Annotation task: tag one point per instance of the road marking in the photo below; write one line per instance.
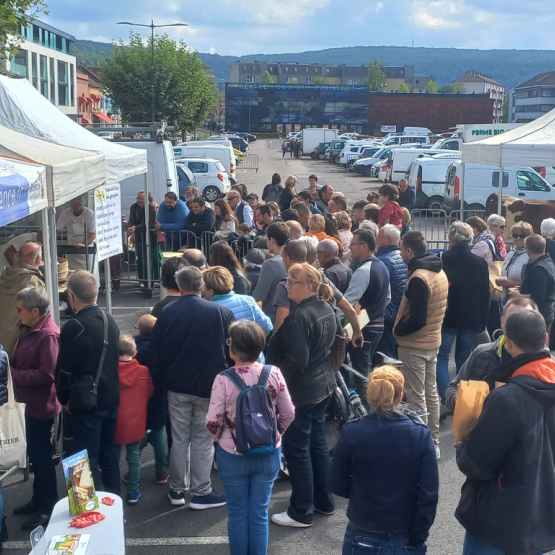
(142, 542)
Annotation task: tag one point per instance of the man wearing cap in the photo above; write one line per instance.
(243, 212)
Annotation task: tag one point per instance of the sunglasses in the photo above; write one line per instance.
(502, 226)
(520, 235)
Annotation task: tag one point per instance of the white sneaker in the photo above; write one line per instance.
(438, 453)
(283, 519)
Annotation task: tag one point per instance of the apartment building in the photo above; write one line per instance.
(480, 83)
(45, 59)
(533, 98)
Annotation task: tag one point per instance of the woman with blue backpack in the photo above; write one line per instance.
(250, 409)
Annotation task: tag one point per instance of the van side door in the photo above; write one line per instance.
(531, 185)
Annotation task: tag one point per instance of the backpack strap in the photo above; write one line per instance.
(234, 377)
(265, 374)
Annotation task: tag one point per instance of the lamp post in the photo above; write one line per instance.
(152, 27)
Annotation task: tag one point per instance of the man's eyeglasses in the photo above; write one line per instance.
(520, 235)
(291, 282)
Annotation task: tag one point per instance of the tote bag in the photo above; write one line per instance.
(13, 443)
(471, 395)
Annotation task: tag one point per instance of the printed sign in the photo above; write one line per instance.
(107, 203)
(388, 128)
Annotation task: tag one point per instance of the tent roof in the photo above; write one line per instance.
(71, 171)
(24, 109)
(532, 144)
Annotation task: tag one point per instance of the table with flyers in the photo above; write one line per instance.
(107, 537)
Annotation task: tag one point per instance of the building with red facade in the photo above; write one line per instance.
(436, 111)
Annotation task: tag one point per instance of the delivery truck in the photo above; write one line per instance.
(313, 136)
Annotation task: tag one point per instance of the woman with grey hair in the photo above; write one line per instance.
(496, 224)
(32, 368)
(547, 229)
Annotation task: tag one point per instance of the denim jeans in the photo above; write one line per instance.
(387, 344)
(463, 348)
(156, 438)
(361, 359)
(95, 430)
(357, 542)
(133, 458)
(474, 546)
(248, 485)
(39, 449)
(308, 458)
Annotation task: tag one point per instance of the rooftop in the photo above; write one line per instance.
(541, 79)
(477, 77)
(52, 29)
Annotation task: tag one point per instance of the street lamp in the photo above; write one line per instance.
(152, 27)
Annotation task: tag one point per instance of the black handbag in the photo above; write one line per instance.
(84, 389)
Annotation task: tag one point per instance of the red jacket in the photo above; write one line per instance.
(32, 368)
(136, 389)
(392, 211)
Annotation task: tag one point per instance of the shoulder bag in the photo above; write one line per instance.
(84, 389)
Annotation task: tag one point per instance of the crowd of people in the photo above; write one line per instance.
(267, 317)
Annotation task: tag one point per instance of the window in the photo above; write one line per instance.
(271, 68)
(353, 81)
(307, 70)
(417, 81)
(245, 68)
(44, 76)
(52, 82)
(451, 145)
(315, 70)
(35, 70)
(548, 92)
(296, 69)
(286, 69)
(528, 108)
(495, 179)
(249, 78)
(19, 64)
(72, 84)
(198, 167)
(528, 181)
(63, 92)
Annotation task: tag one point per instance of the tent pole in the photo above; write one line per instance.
(47, 257)
(147, 222)
(461, 193)
(500, 199)
(108, 285)
(55, 299)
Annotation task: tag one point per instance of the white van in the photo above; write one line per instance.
(427, 178)
(351, 153)
(400, 159)
(212, 179)
(482, 180)
(162, 173)
(404, 139)
(209, 149)
(416, 131)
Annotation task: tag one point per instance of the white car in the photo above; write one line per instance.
(292, 135)
(212, 179)
(350, 154)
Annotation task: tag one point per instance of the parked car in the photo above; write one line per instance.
(212, 179)
(365, 166)
(482, 180)
(292, 135)
(427, 178)
(400, 159)
(405, 139)
(350, 154)
(320, 151)
(249, 137)
(186, 178)
(368, 152)
(237, 142)
(222, 151)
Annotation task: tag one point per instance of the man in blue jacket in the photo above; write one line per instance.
(187, 351)
(171, 220)
(389, 253)
(201, 218)
(407, 196)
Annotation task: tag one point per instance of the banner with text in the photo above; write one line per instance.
(388, 128)
(107, 204)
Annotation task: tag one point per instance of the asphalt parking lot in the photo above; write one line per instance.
(155, 527)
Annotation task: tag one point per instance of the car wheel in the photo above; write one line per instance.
(321, 156)
(211, 194)
(368, 171)
(435, 203)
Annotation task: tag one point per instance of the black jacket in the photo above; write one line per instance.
(157, 408)
(197, 223)
(81, 340)
(284, 200)
(550, 248)
(468, 298)
(271, 192)
(480, 365)
(407, 199)
(240, 282)
(187, 346)
(301, 348)
(397, 490)
(137, 219)
(339, 274)
(508, 500)
(538, 280)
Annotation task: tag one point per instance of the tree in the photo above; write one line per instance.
(293, 81)
(183, 91)
(403, 89)
(431, 87)
(267, 78)
(319, 81)
(376, 77)
(15, 14)
(458, 88)
(445, 89)
(505, 116)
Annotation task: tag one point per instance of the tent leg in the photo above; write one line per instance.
(51, 261)
(148, 245)
(46, 254)
(108, 285)
(461, 194)
(500, 195)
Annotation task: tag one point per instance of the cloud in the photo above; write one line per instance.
(212, 50)
(270, 12)
(436, 14)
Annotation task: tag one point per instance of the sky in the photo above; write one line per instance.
(237, 27)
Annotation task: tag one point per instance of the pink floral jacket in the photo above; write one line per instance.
(223, 400)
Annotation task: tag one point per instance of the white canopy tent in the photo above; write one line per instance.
(532, 144)
(24, 109)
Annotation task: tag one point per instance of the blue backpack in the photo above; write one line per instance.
(256, 419)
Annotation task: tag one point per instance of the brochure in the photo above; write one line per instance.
(76, 544)
(79, 482)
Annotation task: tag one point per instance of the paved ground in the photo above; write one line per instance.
(156, 528)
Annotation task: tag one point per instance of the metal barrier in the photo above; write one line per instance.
(207, 239)
(249, 162)
(351, 159)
